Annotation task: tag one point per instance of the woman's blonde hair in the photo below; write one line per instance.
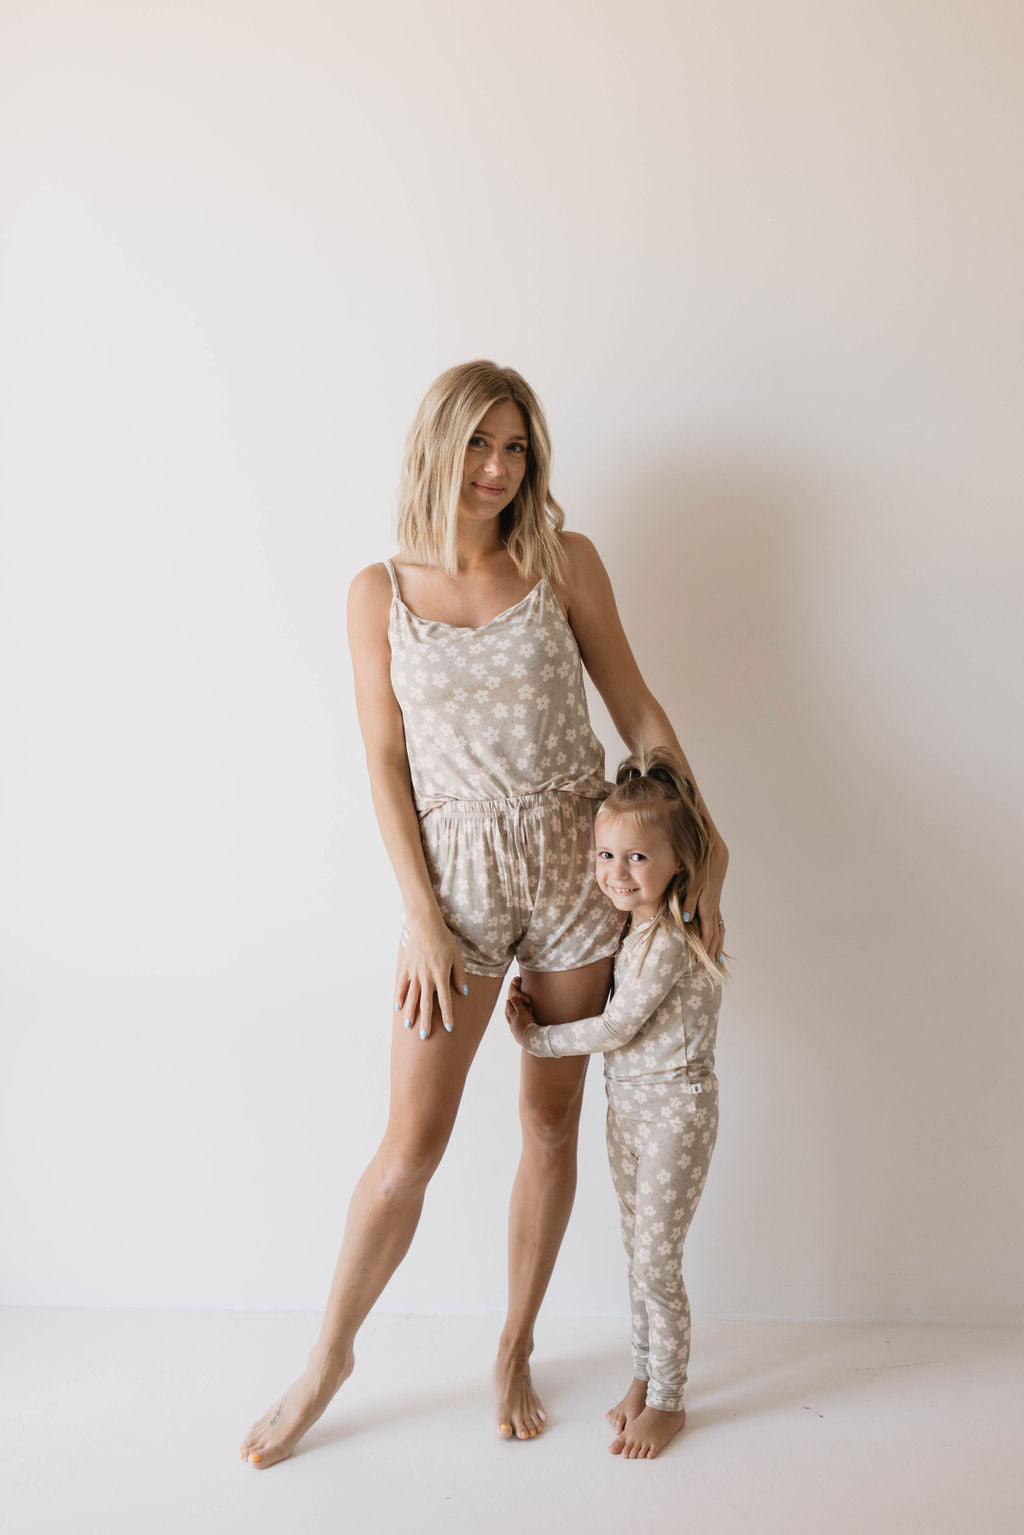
(652, 788)
(435, 455)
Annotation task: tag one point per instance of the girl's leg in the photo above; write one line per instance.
(427, 1079)
(623, 1163)
(551, 1094)
(674, 1166)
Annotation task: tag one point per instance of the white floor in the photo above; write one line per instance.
(128, 1422)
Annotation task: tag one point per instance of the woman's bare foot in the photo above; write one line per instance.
(520, 1414)
(631, 1406)
(648, 1433)
(274, 1436)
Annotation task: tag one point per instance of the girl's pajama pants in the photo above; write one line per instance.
(659, 1154)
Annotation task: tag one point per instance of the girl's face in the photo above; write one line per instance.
(495, 462)
(634, 866)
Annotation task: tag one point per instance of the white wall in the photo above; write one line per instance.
(762, 262)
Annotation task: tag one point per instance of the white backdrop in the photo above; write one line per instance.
(762, 263)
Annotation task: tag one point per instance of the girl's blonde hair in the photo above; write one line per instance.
(652, 788)
(432, 471)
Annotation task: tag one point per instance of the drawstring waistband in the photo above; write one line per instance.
(505, 806)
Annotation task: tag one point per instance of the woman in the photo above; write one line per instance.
(485, 776)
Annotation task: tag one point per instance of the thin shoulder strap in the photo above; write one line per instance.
(394, 579)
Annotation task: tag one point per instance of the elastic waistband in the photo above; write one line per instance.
(637, 1097)
(624, 1084)
(505, 805)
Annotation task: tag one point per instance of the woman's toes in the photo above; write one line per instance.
(505, 1430)
(252, 1441)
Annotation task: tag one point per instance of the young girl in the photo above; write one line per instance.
(658, 1035)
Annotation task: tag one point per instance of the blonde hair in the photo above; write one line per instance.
(652, 788)
(432, 471)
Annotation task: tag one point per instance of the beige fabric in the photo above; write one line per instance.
(658, 1168)
(507, 776)
(514, 878)
(497, 711)
(658, 1033)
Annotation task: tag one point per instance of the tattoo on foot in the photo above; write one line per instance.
(280, 1408)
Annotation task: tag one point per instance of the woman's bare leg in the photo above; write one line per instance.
(427, 1079)
(551, 1095)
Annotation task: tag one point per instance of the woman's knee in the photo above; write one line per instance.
(550, 1124)
(404, 1168)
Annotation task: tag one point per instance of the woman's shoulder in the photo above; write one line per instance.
(370, 593)
(582, 570)
(374, 578)
(577, 549)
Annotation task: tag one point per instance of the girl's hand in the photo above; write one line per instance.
(430, 966)
(518, 1010)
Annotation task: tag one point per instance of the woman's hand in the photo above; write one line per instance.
(430, 966)
(708, 914)
(518, 1010)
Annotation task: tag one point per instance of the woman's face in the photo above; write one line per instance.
(495, 462)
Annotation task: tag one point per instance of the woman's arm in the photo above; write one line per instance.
(636, 713)
(431, 957)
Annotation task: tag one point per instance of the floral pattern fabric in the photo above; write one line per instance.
(515, 879)
(507, 775)
(658, 1033)
(658, 1171)
(497, 711)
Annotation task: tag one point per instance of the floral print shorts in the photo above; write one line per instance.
(514, 879)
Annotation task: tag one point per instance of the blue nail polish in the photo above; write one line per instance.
(686, 916)
(408, 1023)
(423, 1033)
(720, 958)
(398, 1007)
(465, 990)
(448, 1026)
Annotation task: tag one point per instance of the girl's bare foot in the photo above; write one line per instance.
(520, 1414)
(648, 1433)
(631, 1406)
(274, 1436)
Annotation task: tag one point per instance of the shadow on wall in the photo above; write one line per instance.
(856, 957)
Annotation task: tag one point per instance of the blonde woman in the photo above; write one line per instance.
(486, 776)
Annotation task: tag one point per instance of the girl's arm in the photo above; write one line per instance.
(636, 713)
(634, 1002)
(430, 960)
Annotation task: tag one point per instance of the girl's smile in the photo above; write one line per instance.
(633, 865)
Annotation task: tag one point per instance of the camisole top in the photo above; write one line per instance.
(495, 712)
